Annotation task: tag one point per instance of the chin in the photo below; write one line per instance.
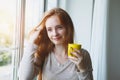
(57, 43)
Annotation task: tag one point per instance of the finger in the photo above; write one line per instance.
(72, 58)
(37, 28)
(37, 31)
(78, 52)
(75, 54)
(75, 60)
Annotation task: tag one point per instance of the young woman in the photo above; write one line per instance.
(46, 54)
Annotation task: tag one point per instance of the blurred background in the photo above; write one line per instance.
(97, 28)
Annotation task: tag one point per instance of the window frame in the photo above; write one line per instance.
(19, 38)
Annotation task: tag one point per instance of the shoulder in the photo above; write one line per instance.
(48, 57)
(85, 53)
(87, 58)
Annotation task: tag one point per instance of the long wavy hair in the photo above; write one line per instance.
(45, 46)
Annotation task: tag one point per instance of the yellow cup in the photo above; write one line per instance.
(71, 48)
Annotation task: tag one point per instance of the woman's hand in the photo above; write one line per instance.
(81, 59)
(34, 34)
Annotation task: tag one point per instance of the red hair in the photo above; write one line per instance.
(45, 46)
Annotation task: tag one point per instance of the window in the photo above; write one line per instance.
(30, 12)
(51, 4)
(13, 26)
(7, 25)
(33, 12)
(17, 18)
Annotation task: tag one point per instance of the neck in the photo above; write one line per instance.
(59, 50)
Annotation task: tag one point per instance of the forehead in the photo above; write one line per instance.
(52, 21)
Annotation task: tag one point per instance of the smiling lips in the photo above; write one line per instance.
(56, 38)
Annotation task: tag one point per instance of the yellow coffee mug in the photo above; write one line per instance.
(71, 48)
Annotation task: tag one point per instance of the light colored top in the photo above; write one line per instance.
(52, 69)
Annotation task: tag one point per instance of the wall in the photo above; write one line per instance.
(113, 45)
(81, 13)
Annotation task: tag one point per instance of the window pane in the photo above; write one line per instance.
(52, 4)
(7, 24)
(34, 11)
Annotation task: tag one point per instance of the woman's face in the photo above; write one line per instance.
(56, 32)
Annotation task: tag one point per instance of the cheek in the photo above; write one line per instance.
(48, 34)
(63, 33)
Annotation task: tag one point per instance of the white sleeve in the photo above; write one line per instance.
(26, 70)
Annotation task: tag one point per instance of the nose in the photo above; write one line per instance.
(55, 32)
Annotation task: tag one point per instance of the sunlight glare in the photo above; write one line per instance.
(7, 16)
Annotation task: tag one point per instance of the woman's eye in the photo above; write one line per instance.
(49, 29)
(60, 26)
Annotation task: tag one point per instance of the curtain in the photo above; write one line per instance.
(98, 39)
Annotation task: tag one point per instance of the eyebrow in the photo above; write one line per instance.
(55, 26)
